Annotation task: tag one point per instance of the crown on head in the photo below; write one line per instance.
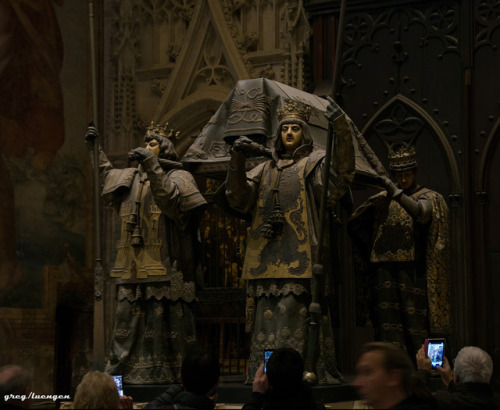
(402, 158)
(157, 129)
(294, 109)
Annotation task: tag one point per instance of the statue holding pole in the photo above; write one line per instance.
(157, 256)
(98, 334)
(283, 195)
(401, 239)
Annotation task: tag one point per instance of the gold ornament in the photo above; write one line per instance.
(310, 377)
(157, 129)
(294, 109)
(402, 157)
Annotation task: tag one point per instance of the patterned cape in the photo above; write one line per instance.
(437, 258)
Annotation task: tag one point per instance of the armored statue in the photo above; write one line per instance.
(160, 208)
(402, 237)
(283, 195)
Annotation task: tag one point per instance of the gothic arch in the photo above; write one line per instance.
(490, 146)
(436, 131)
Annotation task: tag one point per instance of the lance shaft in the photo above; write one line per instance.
(98, 337)
(318, 271)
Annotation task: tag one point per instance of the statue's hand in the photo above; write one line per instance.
(250, 148)
(242, 144)
(91, 134)
(139, 154)
(391, 187)
(333, 110)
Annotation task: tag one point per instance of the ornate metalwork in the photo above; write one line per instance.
(399, 125)
(487, 22)
(438, 22)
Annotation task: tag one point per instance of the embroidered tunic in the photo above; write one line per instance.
(406, 280)
(160, 208)
(275, 257)
(279, 268)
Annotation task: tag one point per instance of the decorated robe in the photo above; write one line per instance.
(402, 266)
(278, 270)
(155, 267)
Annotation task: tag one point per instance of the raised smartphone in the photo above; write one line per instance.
(119, 383)
(267, 355)
(435, 351)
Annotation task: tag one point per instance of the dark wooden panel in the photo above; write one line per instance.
(433, 65)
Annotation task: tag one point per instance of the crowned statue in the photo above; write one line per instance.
(283, 197)
(402, 237)
(160, 208)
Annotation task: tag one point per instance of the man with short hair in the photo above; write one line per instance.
(385, 379)
(200, 374)
(282, 386)
(468, 385)
(15, 386)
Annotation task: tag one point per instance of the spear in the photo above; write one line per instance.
(98, 340)
(318, 272)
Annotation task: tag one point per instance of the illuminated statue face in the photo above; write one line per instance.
(291, 137)
(154, 146)
(405, 179)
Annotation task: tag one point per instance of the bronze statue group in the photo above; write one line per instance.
(400, 241)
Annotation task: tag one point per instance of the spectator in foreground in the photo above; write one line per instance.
(468, 386)
(98, 390)
(282, 386)
(200, 372)
(15, 386)
(385, 379)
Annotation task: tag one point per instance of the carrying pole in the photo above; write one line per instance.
(318, 270)
(98, 338)
(338, 49)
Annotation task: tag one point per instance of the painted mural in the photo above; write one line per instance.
(41, 212)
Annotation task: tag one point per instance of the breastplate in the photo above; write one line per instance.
(288, 253)
(394, 235)
(140, 245)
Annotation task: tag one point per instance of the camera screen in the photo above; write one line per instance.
(119, 384)
(435, 352)
(267, 355)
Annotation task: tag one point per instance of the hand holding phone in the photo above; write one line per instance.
(119, 384)
(435, 351)
(267, 355)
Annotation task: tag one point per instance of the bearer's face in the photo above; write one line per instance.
(154, 146)
(291, 136)
(405, 179)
